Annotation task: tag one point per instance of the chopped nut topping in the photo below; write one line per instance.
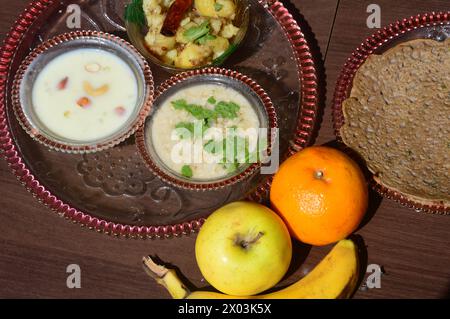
(90, 90)
(92, 67)
(63, 83)
(84, 101)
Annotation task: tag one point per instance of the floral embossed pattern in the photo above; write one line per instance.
(116, 172)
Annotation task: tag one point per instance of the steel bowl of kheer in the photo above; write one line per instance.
(208, 129)
(82, 92)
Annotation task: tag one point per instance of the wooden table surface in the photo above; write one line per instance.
(36, 246)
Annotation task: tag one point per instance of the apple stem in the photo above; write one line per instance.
(245, 243)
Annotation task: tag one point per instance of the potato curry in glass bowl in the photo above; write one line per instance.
(187, 34)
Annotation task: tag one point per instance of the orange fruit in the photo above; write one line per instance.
(321, 193)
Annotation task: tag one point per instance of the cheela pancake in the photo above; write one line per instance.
(398, 119)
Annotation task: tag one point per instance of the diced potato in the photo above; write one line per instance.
(159, 44)
(166, 42)
(223, 9)
(216, 25)
(229, 31)
(179, 35)
(219, 45)
(167, 3)
(155, 21)
(157, 10)
(150, 5)
(206, 8)
(172, 54)
(192, 55)
(185, 21)
(170, 57)
(150, 38)
(228, 9)
(190, 25)
(199, 20)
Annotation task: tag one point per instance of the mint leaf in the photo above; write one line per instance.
(134, 12)
(212, 100)
(227, 110)
(195, 33)
(218, 6)
(186, 171)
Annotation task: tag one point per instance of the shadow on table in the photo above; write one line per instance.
(319, 64)
(363, 259)
(447, 293)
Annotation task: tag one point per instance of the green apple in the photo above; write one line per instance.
(243, 248)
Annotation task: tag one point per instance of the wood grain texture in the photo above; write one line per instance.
(412, 247)
(36, 245)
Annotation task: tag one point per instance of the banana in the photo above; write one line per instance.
(335, 276)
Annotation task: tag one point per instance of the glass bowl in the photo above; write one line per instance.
(258, 99)
(136, 34)
(35, 62)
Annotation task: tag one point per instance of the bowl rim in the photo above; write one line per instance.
(82, 147)
(344, 84)
(266, 102)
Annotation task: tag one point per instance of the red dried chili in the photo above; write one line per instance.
(174, 16)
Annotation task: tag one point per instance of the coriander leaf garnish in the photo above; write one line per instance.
(206, 125)
(134, 13)
(186, 171)
(210, 147)
(223, 109)
(218, 6)
(212, 100)
(198, 111)
(182, 127)
(179, 104)
(227, 110)
(205, 38)
(219, 60)
(197, 32)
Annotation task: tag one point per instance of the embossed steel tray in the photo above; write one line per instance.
(112, 191)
